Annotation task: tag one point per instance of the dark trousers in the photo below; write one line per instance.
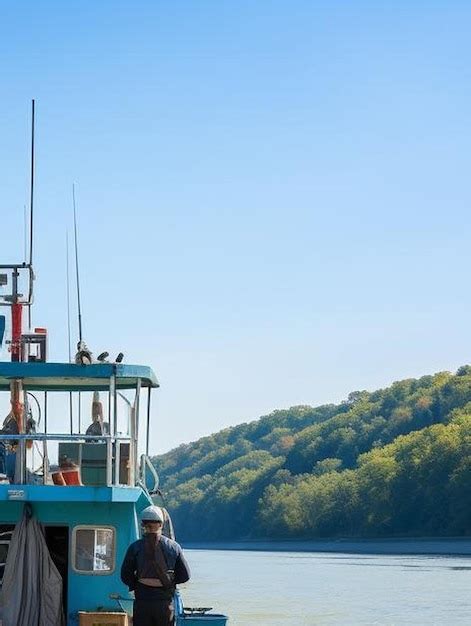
(153, 613)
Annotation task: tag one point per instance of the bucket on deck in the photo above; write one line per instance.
(72, 476)
(58, 479)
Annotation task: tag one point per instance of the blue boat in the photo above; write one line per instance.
(74, 477)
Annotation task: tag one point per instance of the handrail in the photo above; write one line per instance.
(145, 462)
(112, 458)
(61, 437)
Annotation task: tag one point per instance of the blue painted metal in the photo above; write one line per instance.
(72, 377)
(70, 494)
(117, 507)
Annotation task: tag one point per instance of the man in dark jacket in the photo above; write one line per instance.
(152, 567)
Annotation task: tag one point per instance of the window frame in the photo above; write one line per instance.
(73, 548)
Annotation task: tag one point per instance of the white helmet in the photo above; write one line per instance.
(152, 514)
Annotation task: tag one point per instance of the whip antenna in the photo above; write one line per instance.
(71, 413)
(25, 219)
(31, 201)
(68, 292)
(79, 308)
(77, 267)
(31, 216)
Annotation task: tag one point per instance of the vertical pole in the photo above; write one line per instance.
(19, 413)
(31, 219)
(16, 329)
(45, 462)
(136, 416)
(22, 462)
(71, 419)
(45, 452)
(31, 222)
(117, 462)
(17, 407)
(132, 455)
(134, 435)
(45, 412)
(16, 319)
(109, 448)
(71, 411)
(110, 406)
(113, 419)
(79, 308)
(117, 444)
(109, 461)
(148, 419)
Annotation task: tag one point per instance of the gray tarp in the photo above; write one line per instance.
(32, 586)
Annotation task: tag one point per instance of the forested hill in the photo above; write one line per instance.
(394, 462)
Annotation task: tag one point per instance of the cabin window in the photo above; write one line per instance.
(93, 549)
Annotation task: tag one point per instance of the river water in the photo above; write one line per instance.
(304, 589)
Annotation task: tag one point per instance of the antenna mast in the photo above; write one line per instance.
(77, 267)
(31, 216)
(68, 293)
(71, 412)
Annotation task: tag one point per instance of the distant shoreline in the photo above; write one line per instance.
(421, 546)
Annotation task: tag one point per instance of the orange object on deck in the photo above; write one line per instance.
(72, 476)
(58, 479)
(16, 330)
(17, 406)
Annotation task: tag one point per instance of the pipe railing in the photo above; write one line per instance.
(113, 445)
(111, 439)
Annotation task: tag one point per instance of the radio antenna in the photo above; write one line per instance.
(68, 293)
(79, 308)
(31, 216)
(31, 201)
(77, 267)
(71, 417)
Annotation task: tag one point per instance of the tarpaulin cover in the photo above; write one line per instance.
(32, 586)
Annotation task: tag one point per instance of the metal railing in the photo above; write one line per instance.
(112, 439)
(111, 464)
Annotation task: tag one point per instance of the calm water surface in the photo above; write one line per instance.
(292, 588)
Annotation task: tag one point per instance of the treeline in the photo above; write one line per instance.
(394, 462)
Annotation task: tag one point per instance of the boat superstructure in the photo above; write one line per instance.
(88, 526)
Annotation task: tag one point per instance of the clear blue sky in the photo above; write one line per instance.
(274, 197)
